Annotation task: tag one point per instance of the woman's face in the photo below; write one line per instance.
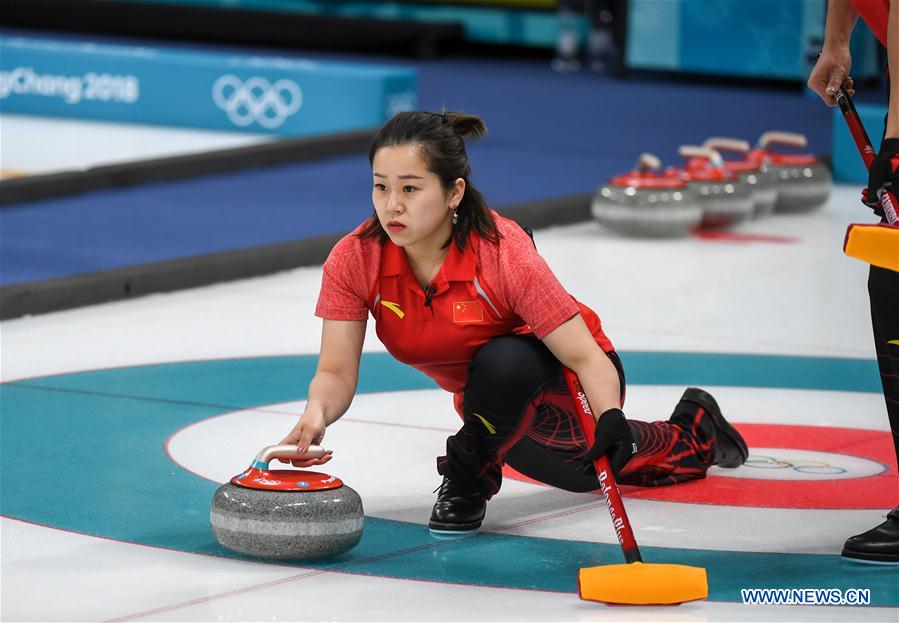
(411, 203)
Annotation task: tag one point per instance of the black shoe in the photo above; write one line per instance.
(877, 545)
(730, 447)
(457, 509)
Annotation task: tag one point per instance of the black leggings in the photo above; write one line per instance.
(883, 293)
(883, 290)
(517, 410)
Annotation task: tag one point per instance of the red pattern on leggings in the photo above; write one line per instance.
(668, 452)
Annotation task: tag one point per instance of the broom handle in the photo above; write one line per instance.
(603, 471)
(887, 198)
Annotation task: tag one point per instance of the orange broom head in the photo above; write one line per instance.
(643, 584)
(874, 244)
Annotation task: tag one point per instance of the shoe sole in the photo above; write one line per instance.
(869, 559)
(722, 426)
(454, 528)
(450, 534)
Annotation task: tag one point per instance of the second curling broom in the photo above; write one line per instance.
(878, 243)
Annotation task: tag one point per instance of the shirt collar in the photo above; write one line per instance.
(458, 265)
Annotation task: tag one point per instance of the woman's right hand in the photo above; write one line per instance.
(310, 430)
(830, 73)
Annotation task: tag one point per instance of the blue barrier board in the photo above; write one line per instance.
(531, 24)
(769, 39)
(198, 89)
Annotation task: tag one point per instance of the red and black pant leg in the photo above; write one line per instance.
(517, 410)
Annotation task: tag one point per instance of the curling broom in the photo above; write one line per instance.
(635, 582)
(878, 243)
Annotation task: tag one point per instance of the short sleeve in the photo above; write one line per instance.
(344, 288)
(532, 290)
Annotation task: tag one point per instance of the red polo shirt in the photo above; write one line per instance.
(483, 292)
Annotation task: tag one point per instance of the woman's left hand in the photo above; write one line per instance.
(310, 429)
(614, 440)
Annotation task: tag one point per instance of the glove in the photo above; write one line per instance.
(882, 173)
(613, 439)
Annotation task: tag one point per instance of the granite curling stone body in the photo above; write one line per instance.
(724, 199)
(754, 173)
(286, 514)
(644, 204)
(803, 182)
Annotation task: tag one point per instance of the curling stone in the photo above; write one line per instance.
(803, 182)
(645, 204)
(724, 199)
(762, 182)
(286, 514)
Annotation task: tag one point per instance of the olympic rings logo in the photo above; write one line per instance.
(801, 466)
(257, 100)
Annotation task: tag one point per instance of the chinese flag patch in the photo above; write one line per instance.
(468, 311)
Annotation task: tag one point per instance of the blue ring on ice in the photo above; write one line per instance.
(115, 481)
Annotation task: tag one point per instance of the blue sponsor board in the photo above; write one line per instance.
(770, 39)
(218, 91)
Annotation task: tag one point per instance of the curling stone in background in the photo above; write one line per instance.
(803, 182)
(643, 203)
(762, 182)
(288, 513)
(723, 198)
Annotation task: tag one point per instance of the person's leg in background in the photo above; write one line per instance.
(881, 544)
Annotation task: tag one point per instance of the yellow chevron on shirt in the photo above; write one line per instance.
(394, 307)
(490, 428)
(894, 342)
